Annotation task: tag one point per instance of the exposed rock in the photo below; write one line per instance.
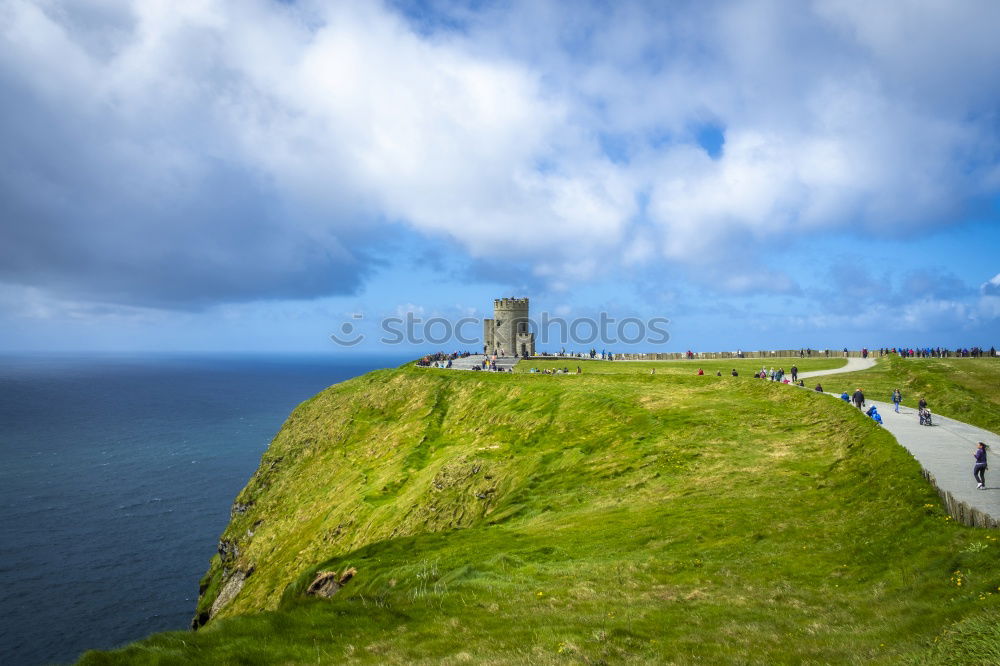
(199, 620)
(253, 528)
(229, 551)
(328, 583)
(229, 590)
(240, 508)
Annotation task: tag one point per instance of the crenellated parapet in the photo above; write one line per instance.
(510, 305)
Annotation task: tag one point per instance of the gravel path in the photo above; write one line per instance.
(944, 449)
(853, 365)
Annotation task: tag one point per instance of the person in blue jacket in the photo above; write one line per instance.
(979, 469)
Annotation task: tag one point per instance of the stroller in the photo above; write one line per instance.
(925, 416)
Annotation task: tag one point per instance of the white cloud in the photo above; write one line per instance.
(268, 144)
(991, 287)
(989, 307)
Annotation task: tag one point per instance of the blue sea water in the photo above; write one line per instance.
(116, 479)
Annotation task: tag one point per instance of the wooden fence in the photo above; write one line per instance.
(960, 511)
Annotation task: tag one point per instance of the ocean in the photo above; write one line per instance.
(117, 474)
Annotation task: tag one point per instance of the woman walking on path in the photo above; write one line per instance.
(979, 470)
(897, 398)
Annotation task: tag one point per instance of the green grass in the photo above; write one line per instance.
(745, 367)
(967, 389)
(600, 518)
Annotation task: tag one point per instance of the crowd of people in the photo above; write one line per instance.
(776, 375)
(938, 352)
(441, 359)
(555, 371)
(592, 354)
(924, 416)
(915, 352)
(858, 400)
(490, 364)
(905, 352)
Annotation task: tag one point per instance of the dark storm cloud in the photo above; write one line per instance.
(85, 223)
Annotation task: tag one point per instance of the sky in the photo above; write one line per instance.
(204, 175)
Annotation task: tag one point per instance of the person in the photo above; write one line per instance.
(858, 398)
(795, 371)
(579, 370)
(819, 388)
(735, 374)
(979, 469)
(924, 416)
(922, 404)
(897, 398)
(846, 398)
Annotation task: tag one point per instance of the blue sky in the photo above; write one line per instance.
(216, 176)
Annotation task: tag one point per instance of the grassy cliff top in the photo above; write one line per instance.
(593, 518)
(743, 366)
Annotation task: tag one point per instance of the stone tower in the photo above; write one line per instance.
(509, 331)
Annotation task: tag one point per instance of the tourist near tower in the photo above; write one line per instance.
(508, 332)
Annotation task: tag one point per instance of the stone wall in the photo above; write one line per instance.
(773, 353)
